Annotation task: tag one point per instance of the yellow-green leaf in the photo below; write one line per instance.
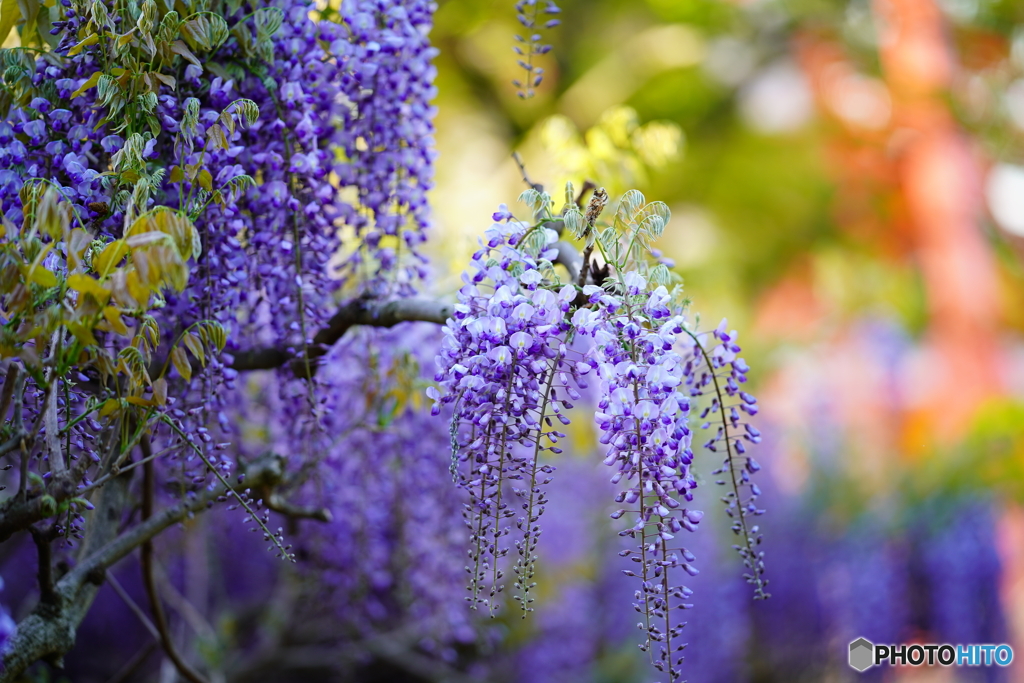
(138, 240)
(110, 257)
(196, 347)
(82, 333)
(169, 81)
(88, 285)
(9, 15)
(91, 40)
(137, 289)
(206, 180)
(51, 215)
(113, 317)
(181, 364)
(41, 276)
(176, 175)
(109, 406)
(179, 48)
(160, 391)
(91, 83)
(197, 243)
(139, 401)
(169, 222)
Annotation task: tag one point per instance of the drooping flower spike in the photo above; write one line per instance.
(503, 365)
(716, 370)
(511, 337)
(643, 419)
(530, 14)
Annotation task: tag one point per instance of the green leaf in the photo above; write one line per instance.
(107, 89)
(247, 110)
(168, 30)
(537, 201)
(653, 218)
(190, 119)
(41, 276)
(629, 206)
(609, 241)
(91, 83)
(205, 31)
(219, 31)
(218, 335)
(575, 221)
(110, 257)
(196, 347)
(241, 183)
(150, 330)
(9, 15)
(134, 364)
(91, 40)
(268, 20)
(535, 242)
(660, 276)
(181, 364)
(88, 285)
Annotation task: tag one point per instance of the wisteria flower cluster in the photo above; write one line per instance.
(643, 418)
(530, 14)
(521, 343)
(719, 373)
(503, 366)
(387, 138)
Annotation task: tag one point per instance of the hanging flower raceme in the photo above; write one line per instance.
(717, 371)
(530, 14)
(503, 366)
(387, 137)
(642, 418)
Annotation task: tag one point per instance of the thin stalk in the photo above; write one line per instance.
(747, 539)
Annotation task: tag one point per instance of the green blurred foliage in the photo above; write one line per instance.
(769, 196)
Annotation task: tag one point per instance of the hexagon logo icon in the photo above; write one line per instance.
(862, 653)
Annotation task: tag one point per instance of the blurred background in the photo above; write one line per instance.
(847, 186)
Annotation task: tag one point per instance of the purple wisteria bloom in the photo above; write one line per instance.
(387, 136)
(643, 420)
(503, 366)
(716, 370)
